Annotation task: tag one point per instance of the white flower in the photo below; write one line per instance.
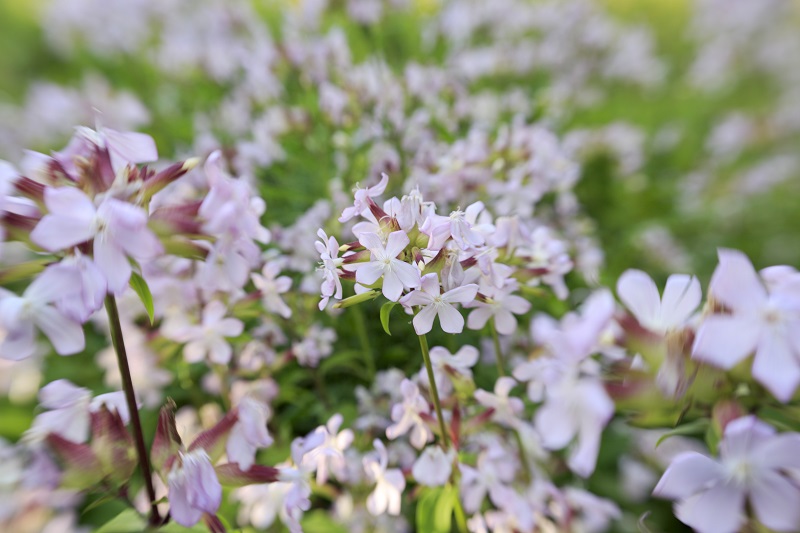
(396, 274)
(434, 304)
(389, 483)
(639, 293)
(407, 417)
(433, 467)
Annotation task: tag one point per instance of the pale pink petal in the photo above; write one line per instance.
(370, 241)
(61, 393)
(65, 334)
(430, 284)
(776, 501)
(423, 322)
(19, 342)
(505, 322)
(113, 264)
(180, 509)
(716, 510)
(368, 273)
(450, 319)
(517, 304)
(392, 286)
(194, 352)
(407, 273)
(583, 458)
(54, 284)
(239, 450)
(479, 316)
(213, 312)
(129, 147)
(555, 425)
(724, 340)
(377, 501)
(640, 295)
(56, 232)
(396, 243)
(735, 282)
(69, 202)
(687, 474)
(417, 298)
(780, 452)
(776, 366)
(462, 295)
(682, 295)
(378, 188)
(219, 352)
(113, 401)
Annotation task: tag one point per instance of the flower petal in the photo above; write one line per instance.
(735, 282)
(775, 365)
(688, 473)
(640, 295)
(716, 510)
(65, 334)
(724, 340)
(682, 295)
(450, 319)
(423, 322)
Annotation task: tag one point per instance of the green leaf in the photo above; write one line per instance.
(435, 510)
(698, 427)
(319, 521)
(128, 521)
(386, 310)
(139, 285)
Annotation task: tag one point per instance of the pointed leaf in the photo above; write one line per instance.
(697, 427)
(139, 285)
(128, 521)
(386, 311)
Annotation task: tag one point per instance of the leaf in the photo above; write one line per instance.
(128, 521)
(386, 310)
(435, 510)
(319, 521)
(698, 427)
(139, 285)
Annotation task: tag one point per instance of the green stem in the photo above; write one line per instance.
(130, 398)
(523, 457)
(423, 344)
(366, 348)
(498, 353)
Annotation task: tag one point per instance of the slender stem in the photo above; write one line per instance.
(366, 348)
(130, 397)
(523, 456)
(423, 344)
(498, 352)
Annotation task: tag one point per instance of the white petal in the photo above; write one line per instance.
(776, 366)
(462, 295)
(555, 425)
(688, 473)
(640, 295)
(735, 282)
(369, 273)
(724, 340)
(716, 510)
(776, 501)
(682, 295)
(396, 243)
(407, 273)
(392, 286)
(423, 322)
(65, 334)
(113, 264)
(450, 319)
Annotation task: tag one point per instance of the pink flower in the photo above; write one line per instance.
(752, 466)
(119, 231)
(761, 321)
(433, 467)
(363, 197)
(271, 287)
(502, 306)
(506, 408)
(389, 483)
(208, 338)
(406, 416)
(639, 293)
(433, 303)
(123, 147)
(396, 274)
(249, 433)
(19, 315)
(193, 488)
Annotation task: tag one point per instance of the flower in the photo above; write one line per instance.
(433, 467)
(506, 408)
(434, 304)
(272, 286)
(18, 315)
(363, 197)
(752, 466)
(389, 484)
(119, 231)
(502, 307)
(329, 455)
(193, 488)
(396, 274)
(682, 295)
(760, 320)
(406, 416)
(208, 338)
(249, 433)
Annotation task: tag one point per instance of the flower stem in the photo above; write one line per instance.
(423, 344)
(498, 352)
(366, 348)
(130, 398)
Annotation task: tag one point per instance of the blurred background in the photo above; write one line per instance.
(681, 117)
